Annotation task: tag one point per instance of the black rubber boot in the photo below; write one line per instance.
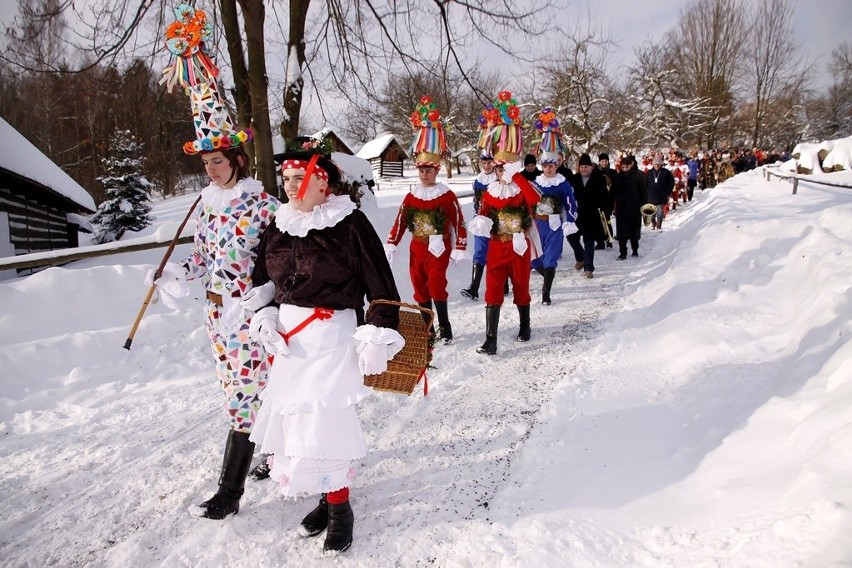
(428, 306)
(316, 521)
(232, 480)
(524, 330)
(549, 275)
(475, 280)
(445, 330)
(492, 320)
(338, 538)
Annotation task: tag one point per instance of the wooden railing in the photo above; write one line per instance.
(64, 256)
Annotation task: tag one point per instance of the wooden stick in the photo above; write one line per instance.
(158, 273)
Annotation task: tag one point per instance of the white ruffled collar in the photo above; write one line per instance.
(428, 193)
(485, 179)
(544, 181)
(298, 223)
(220, 199)
(503, 190)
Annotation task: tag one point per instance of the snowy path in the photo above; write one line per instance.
(687, 408)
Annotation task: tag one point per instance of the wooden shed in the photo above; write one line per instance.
(339, 144)
(41, 207)
(385, 155)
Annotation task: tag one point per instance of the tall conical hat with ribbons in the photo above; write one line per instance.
(429, 145)
(550, 145)
(505, 135)
(188, 39)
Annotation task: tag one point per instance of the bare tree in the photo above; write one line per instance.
(775, 69)
(708, 43)
(664, 111)
(389, 110)
(351, 47)
(831, 113)
(576, 83)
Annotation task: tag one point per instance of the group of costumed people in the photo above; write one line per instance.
(285, 287)
(286, 282)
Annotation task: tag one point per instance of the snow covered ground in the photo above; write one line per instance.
(692, 407)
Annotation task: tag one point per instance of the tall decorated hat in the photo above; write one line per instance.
(429, 145)
(550, 145)
(484, 142)
(189, 39)
(505, 135)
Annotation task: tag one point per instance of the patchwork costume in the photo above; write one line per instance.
(230, 224)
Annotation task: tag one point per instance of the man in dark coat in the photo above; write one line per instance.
(609, 176)
(530, 171)
(660, 185)
(629, 193)
(590, 191)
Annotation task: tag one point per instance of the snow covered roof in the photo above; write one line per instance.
(20, 157)
(375, 147)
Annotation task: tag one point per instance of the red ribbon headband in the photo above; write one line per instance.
(310, 168)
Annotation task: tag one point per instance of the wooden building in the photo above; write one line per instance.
(385, 155)
(41, 207)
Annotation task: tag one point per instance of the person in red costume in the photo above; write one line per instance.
(431, 212)
(505, 216)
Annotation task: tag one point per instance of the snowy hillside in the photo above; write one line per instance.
(692, 407)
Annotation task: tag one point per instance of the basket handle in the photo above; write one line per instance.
(404, 305)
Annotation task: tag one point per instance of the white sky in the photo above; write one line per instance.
(820, 25)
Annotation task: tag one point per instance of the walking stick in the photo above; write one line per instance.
(157, 274)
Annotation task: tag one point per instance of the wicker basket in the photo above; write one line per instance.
(407, 367)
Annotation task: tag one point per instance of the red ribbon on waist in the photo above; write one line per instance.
(319, 314)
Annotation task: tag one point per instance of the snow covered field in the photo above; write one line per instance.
(692, 407)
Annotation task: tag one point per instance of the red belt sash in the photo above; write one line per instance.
(319, 314)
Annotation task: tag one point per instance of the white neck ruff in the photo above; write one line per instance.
(544, 181)
(428, 193)
(220, 199)
(298, 223)
(503, 190)
(485, 179)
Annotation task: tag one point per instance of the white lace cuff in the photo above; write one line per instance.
(458, 254)
(380, 336)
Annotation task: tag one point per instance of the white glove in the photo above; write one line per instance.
(480, 225)
(258, 297)
(568, 227)
(456, 256)
(554, 221)
(510, 169)
(263, 329)
(390, 252)
(372, 358)
(172, 281)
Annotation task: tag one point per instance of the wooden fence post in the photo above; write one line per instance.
(795, 185)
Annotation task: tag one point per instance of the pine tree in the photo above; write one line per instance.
(127, 204)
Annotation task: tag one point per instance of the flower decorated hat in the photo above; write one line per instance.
(504, 137)
(550, 145)
(188, 39)
(429, 145)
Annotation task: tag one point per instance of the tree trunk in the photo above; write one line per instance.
(253, 17)
(294, 81)
(241, 91)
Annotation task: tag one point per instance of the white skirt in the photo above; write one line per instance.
(308, 418)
